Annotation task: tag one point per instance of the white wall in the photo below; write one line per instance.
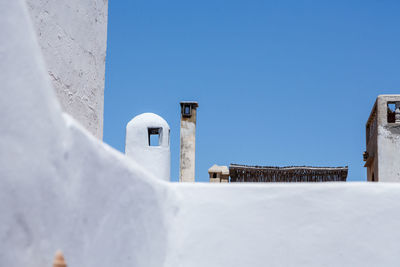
(388, 142)
(389, 153)
(324, 224)
(61, 188)
(73, 35)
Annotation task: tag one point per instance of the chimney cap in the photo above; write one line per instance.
(194, 104)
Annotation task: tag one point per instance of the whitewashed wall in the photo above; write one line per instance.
(61, 188)
(73, 37)
(388, 143)
(342, 224)
(389, 153)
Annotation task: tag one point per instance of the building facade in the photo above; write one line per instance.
(382, 155)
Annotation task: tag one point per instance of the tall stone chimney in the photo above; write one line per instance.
(188, 141)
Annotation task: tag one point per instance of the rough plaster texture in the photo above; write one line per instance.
(61, 188)
(384, 144)
(389, 153)
(72, 35)
(188, 148)
(155, 159)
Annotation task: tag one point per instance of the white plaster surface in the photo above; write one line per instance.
(72, 35)
(389, 153)
(155, 159)
(61, 188)
(384, 144)
(325, 224)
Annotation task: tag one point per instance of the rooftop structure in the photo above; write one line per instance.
(218, 174)
(244, 173)
(148, 143)
(382, 156)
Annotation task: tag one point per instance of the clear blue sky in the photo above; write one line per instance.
(278, 82)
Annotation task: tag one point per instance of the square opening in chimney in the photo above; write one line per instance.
(154, 136)
(391, 107)
(187, 110)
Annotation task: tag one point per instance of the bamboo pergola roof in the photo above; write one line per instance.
(244, 173)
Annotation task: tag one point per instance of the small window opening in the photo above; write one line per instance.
(187, 111)
(391, 115)
(154, 136)
(214, 175)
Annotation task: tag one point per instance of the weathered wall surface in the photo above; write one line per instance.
(188, 148)
(384, 145)
(72, 35)
(389, 152)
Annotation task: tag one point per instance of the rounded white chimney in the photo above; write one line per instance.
(147, 142)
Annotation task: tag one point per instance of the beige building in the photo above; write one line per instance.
(382, 157)
(219, 174)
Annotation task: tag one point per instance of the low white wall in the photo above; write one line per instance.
(61, 188)
(326, 224)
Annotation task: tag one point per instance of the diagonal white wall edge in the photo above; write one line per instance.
(59, 186)
(62, 188)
